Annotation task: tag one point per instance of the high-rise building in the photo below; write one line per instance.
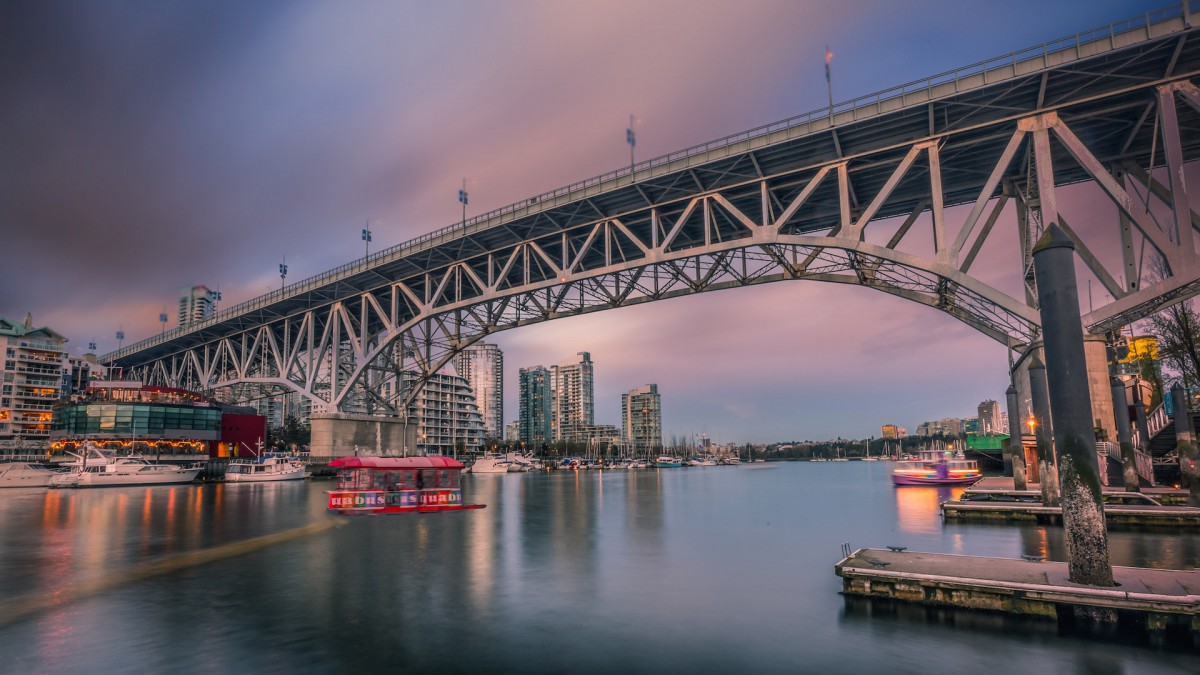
(641, 418)
(31, 381)
(196, 303)
(574, 404)
(448, 420)
(482, 365)
(989, 418)
(535, 397)
(512, 431)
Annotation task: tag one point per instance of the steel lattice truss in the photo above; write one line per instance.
(793, 209)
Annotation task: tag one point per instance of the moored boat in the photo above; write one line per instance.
(668, 462)
(490, 463)
(99, 468)
(269, 467)
(26, 474)
(368, 485)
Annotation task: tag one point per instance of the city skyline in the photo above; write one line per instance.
(151, 173)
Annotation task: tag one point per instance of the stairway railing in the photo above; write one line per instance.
(1142, 462)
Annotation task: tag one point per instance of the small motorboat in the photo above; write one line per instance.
(668, 462)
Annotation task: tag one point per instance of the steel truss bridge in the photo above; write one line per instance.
(789, 201)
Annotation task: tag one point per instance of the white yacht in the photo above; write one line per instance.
(490, 463)
(269, 467)
(99, 468)
(26, 474)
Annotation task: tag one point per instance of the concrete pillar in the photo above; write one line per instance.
(1097, 376)
(1185, 444)
(339, 434)
(1125, 437)
(1044, 432)
(1084, 529)
(1015, 460)
(1143, 427)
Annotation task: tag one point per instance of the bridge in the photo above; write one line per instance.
(793, 200)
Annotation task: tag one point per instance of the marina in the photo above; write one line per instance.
(552, 551)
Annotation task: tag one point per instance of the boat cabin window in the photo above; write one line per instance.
(407, 480)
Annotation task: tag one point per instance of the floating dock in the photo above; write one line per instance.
(1165, 604)
(1125, 516)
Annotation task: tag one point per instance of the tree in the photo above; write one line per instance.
(293, 432)
(1178, 331)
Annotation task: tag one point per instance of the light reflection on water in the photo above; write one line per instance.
(708, 570)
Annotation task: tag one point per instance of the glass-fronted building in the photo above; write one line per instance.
(128, 415)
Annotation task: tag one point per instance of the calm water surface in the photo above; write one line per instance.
(718, 569)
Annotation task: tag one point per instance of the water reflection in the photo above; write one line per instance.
(918, 508)
(727, 569)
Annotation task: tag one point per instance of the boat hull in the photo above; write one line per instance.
(264, 478)
(99, 480)
(901, 480)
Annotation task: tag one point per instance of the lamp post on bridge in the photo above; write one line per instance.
(283, 273)
(463, 199)
(366, 237)
(631, 139)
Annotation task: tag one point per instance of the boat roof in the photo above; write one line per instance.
(430, 462)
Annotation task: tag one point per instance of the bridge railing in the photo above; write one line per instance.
(956, 81)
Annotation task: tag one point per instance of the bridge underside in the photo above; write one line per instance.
(802, 201)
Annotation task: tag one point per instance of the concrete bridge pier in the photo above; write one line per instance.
(1015, 459)
(1085, 534)
(1185, 444)
(1125, 437)
(1043, 432)
(338, 434)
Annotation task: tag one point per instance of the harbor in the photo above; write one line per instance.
(701, 569)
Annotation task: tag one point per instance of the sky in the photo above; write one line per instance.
(152, 146)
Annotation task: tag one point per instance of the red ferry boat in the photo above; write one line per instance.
(398, 485)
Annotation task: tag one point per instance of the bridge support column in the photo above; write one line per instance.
(1084, 529)
(342, 434)
(1125, 437)
(1185, 444)
(1043, 432)
(1015, 459)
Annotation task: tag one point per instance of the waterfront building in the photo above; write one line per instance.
(196, 303)
(944, 427)
(154, 420)
(512, 431)
(641, 418)
(989, 418)
(573, 407)
(890, 432)
(535, 397)
(31, 381)
(482, 365)
(447, 417)
(79, 372)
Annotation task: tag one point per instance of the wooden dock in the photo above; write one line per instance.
(1126, 516)
(1163, 603)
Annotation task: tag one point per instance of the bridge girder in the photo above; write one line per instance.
(740, 222)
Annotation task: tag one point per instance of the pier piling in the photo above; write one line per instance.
(1016, 453)
(1125, 437)
(1086, 537)
(1043, 432)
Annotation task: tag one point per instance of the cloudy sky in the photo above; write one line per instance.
(150, 146)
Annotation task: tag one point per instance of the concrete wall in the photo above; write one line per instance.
(337, 434)
(1098, 384)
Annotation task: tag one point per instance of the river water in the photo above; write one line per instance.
(716, 569)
